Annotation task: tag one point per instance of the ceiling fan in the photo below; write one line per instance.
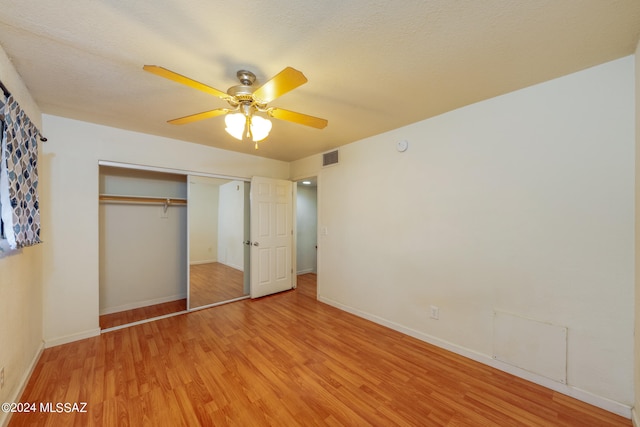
(245, 100)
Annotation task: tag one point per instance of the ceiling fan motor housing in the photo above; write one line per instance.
(241, 92)
(246, 77)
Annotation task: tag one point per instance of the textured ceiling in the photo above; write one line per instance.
(372, 65)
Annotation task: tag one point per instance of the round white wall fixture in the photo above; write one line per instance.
(402, 146)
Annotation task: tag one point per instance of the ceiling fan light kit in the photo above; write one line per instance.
(236, 123)
(246, 125)
(241, 120)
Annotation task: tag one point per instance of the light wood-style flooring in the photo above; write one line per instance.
(149, 312)
(208, 284)
(284, 360)
(214, 282)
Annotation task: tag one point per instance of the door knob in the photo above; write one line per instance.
(256, 244)
(247, 242)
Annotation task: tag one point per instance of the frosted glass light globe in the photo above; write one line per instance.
(235, 125)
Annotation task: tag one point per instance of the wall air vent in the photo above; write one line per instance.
(330, 158)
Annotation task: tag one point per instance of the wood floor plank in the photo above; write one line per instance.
(284, 360)
(214, 282)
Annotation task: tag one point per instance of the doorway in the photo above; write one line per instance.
(307, 226)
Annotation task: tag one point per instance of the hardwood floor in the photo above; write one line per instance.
(214, 282)
(130, 316)
(284, 360)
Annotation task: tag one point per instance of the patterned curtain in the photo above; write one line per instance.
(19, 177)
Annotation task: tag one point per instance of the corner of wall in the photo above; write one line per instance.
(306, 167)
(636, 409)
(12, 80)
(15, 397)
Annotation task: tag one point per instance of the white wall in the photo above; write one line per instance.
(142, 256)
(204, 193)
(231, 212)
(306, 230)
(523, 203)
(20, 279)
(70, 165)
(636, 411)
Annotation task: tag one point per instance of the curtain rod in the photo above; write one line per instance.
(5, 90)
(8, 94)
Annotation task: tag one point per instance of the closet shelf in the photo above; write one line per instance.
(166, 201)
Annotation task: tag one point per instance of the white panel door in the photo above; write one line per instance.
(271, 236)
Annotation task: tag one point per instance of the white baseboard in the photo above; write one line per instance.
(206, 261)
(585, 396)
(5, 417)
(305, 271)
(234, 266)
(48, 343)
(139, 304)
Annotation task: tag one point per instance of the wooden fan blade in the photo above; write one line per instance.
(199, 116)
(179, 78)
(283, 82)
(303, 119)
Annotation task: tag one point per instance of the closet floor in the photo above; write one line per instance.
(129, 316)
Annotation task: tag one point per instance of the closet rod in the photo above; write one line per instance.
(7, 94)
(140, 199)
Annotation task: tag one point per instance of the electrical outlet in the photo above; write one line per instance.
(2, 377)
(435, 312)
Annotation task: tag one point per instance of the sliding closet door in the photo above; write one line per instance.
(218, 221)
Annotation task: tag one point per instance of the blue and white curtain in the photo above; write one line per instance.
(18, 177)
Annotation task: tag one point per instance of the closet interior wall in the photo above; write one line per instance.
(143, 243)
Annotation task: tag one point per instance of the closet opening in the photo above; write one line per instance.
(171, 241)
(143, 245)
